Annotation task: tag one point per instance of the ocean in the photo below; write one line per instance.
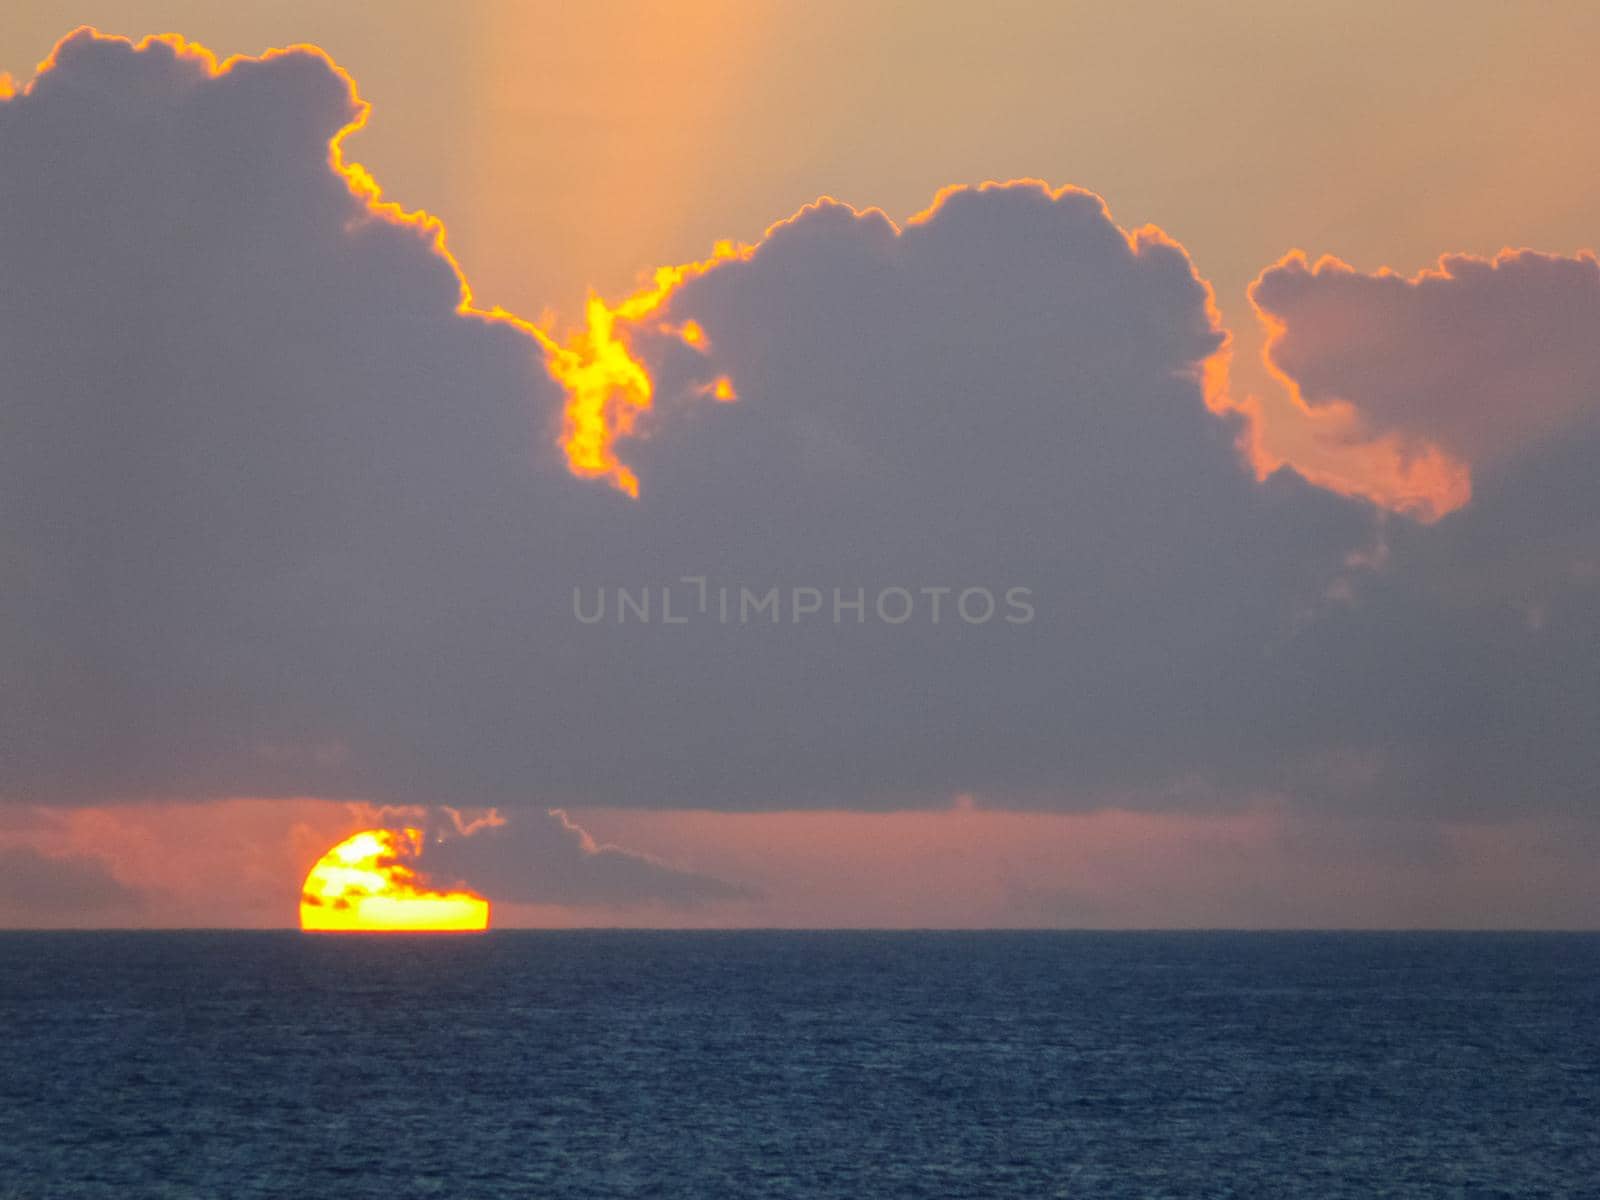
(783, 1064)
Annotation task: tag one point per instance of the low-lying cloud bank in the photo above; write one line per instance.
(1259, 864)
(546, 858)
(285, 514)
(69, 889)
(239, 863)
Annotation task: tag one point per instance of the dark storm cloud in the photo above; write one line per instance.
(35, 886)
(281, 520)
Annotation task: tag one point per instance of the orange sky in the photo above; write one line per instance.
(240, 862)
(575, 147)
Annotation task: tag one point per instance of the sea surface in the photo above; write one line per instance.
(863, 1065)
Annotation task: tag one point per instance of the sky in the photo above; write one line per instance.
(1084, 466)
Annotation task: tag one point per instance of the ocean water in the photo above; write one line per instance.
(859, 1065)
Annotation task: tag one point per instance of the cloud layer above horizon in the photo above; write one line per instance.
(285, 514)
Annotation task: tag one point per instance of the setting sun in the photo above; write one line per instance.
(365, 884)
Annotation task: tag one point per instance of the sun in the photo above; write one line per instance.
(366, 884)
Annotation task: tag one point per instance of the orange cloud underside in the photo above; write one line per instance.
(364, 885)
(1333, 446)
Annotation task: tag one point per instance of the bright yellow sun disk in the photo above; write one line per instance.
(365, 885)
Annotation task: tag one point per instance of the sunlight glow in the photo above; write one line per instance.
(608, 388)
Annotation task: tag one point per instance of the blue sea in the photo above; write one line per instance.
(866, 1066)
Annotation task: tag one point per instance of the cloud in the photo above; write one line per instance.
(288, 513)
(1009, 390)
(40, 889)
(256, 456)
(1485, 359)
(290, 516)
(546, 858)
(1468, 670)
(1263, 863)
